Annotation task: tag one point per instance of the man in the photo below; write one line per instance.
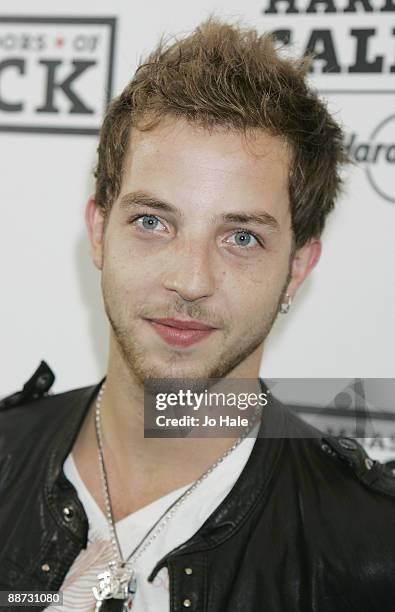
(217, 169)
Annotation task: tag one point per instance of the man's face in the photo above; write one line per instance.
(171, 249)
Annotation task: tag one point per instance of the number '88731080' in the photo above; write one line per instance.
(32, 598)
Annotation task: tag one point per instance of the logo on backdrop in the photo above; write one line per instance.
(351, 39)
(55, 73)
(377, 155)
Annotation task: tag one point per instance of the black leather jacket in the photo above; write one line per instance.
(308, 526)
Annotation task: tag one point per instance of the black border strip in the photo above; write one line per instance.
(34, 129)
(324, 411)
(63, 20)
(112, 22)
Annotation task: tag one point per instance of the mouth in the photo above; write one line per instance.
(176, 332)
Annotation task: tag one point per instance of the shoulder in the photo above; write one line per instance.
(34, 414)
(341, 460)
(35, 388)
(352, 458)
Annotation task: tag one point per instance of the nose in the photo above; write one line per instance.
(189, 270)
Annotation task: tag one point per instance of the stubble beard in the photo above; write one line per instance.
(142, 371)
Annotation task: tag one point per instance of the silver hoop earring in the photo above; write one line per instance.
(285, 306)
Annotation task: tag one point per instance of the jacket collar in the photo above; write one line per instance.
(250, 487)
(77, 406)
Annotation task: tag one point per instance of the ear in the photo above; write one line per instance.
(94, 220)
(303, 262)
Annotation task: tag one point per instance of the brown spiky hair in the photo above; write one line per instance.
(227, 76)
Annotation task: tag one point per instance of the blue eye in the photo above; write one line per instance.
(243, 238)
(148, 222)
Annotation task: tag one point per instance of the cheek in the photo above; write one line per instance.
(129, 280)
(121, 262)
(259, 281)
(252, 295)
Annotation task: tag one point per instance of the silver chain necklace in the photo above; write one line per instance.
(119, 581)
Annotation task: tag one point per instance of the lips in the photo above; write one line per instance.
(179, 324)
(178, 333)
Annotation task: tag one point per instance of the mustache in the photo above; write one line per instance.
(175, 311)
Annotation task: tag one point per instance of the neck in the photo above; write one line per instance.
(123, 425)
(142, 469)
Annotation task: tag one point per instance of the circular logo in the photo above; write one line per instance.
(381, 169)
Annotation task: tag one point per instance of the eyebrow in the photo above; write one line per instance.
(140, 198)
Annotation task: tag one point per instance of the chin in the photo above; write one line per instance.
(169, 373)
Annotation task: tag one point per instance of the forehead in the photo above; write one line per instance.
(184, 162)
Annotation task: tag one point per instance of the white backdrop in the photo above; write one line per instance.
(342, 322)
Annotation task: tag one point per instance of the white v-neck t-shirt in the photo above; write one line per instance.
(185, 522)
